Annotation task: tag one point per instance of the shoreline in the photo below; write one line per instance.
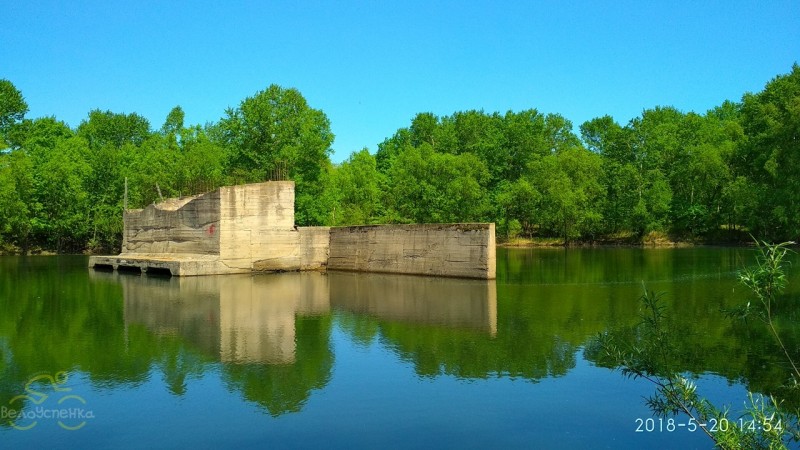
(610, 243)
(513, 244)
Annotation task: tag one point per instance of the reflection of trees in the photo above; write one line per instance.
(617, 265)
(746, 354)
(54, 319)
(700, 284)
(469, 354)
(549, 303)
(531, 341)
(542, 324)
(270, 332)
(427, 320)
(283, 388)
(520, 336)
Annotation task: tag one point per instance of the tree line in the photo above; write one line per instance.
(720, 175)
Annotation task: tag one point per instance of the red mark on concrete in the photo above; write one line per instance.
(211, 229)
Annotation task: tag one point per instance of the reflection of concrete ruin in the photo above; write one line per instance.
(246, 318)
(240, 318)
(241, 229)
(437, 301)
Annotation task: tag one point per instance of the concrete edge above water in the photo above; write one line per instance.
(250, 228)
(444, 250)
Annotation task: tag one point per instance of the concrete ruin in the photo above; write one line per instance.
(250, 228)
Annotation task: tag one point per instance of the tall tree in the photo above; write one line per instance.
(12, 108)
(428, 187)
(174, 122)
(770, 155)
(108, 128)
(276, 133)
(358, 184)
(275, 128)
(114, 141)
(572, 196)
(60, 201)
(16, 185)
(620, 177)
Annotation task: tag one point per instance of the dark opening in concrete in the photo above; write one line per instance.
(159, 272)
(129, 269)
(104, 267)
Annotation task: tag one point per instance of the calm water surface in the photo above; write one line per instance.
(366, 360)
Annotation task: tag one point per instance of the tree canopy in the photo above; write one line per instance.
(722, 174)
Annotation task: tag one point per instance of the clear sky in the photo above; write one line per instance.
(372, 65)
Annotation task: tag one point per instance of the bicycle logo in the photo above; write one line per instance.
(70, 406)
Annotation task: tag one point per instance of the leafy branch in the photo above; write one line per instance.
(649, 351)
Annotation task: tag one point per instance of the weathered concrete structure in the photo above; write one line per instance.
(246, 228)
(235, 229)
(465, 250)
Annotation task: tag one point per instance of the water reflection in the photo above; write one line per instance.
(238, 318)
(272, 332)
(251, 319)
(270, 336)
(450, 302)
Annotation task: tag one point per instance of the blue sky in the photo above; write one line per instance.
(372, 65)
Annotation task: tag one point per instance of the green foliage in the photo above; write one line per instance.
(276, 126)
(769, 156)
(60, 201)
(711, 176)
(429, 187)
(572, 194)
(767, 281)
(276, 135)
(107, 128)
(174, 123)
(12, 108)
(357, 185)
(650, 350)
(518, 202)
(16, 184)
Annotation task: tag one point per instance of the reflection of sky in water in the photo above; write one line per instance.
(374, 400)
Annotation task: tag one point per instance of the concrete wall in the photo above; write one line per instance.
(303, 249)
(240, 229)
(451, 250)
(188, 225)
(314, 247)
(257, 226)
(246, 228)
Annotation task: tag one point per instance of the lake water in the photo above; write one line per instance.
(366, 360)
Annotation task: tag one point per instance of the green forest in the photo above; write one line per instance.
(713, 177)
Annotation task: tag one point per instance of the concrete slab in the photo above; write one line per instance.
(172, 264)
